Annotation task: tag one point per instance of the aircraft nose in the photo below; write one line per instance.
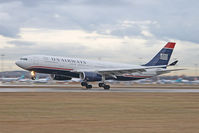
(22, 62)
(17, 63)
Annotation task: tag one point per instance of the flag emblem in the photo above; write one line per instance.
(163, 56)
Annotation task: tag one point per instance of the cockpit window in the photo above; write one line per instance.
(24, 59)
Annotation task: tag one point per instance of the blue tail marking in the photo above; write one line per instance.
(163, 57)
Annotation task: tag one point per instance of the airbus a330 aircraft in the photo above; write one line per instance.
(64, 68)
(4, 80)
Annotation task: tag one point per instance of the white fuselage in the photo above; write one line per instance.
(56, 63)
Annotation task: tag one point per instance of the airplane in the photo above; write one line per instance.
(181, 80)
(176, 81)
(41, 80)
(65, 68)
(195, 82)
(166, 81)
(37, 80)
(4, 80)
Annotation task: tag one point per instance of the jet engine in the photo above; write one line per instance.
(60, 77)
(90, 76)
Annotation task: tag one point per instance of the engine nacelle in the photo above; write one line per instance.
(60, 77)
(90, 76)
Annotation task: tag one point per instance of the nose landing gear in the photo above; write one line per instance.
(33, 75)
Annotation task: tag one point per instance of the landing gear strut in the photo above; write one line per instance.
(103, 84)
(86, 85)
(33, 75)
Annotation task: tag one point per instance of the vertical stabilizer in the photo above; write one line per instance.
(163, 57)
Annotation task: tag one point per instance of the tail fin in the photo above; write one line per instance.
(163, 57)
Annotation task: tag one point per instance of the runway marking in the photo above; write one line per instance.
(99, 90)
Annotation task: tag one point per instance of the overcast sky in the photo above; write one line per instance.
(129, 31)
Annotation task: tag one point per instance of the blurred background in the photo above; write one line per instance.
(116, 30)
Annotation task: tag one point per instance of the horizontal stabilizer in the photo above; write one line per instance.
(173, 63)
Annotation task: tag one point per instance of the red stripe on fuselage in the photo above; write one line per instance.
(49, 68)
(134, 76)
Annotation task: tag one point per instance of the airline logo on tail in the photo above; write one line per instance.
(169, 45)
(163, 56)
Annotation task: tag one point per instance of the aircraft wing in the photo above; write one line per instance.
(168, 71)
(120, 71)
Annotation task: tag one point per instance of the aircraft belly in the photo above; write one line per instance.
(54, 71)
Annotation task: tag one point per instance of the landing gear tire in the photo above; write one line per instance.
(33, 75)
(107, 87)
(33, 78)
(84, 84)
(101, 84)
(89, 86)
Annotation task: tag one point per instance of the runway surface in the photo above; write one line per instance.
(97, 90)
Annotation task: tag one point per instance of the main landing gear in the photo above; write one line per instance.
(106, 87)
(101, 84)
(86, 85)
